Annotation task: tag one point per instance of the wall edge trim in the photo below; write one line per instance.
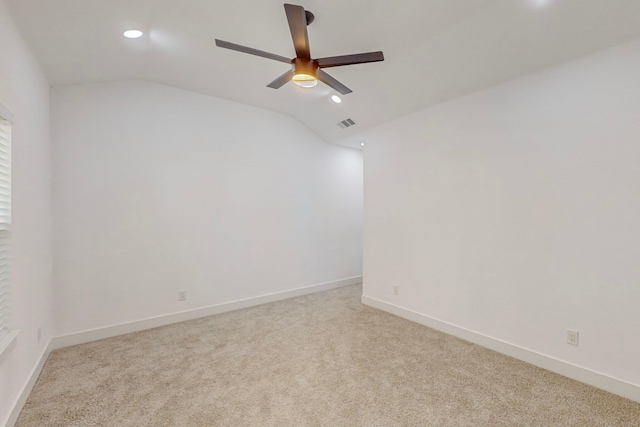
(96, 334)
(15, 411)
(550, 363)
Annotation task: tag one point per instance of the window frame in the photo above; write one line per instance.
(9, 334)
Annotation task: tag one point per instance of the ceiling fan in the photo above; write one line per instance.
(305, 72)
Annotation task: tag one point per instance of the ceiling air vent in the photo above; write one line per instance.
(346, 123)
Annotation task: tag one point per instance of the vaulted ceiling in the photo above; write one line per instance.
(434, 49)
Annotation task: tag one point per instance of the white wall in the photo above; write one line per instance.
(158, 190)
(514, 213)
(24, 91)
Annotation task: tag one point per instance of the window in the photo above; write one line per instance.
(5, 224)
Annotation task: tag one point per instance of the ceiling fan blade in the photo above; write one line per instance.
(331, 82)
(358, 58)
(252, 51)
(298, 27)
(280, 81)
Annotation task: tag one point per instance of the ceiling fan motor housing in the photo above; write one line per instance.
(305, 66)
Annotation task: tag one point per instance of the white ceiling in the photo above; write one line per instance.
(434, 49)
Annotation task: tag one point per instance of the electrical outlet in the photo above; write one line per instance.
(396, 290)
(572, 337)
(182, 295)
(39, 333)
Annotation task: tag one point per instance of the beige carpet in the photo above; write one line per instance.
(317, 360)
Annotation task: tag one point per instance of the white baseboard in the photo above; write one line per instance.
(26, 389)
(154, 322)
(578, 373)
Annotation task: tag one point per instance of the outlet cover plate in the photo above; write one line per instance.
(572, 337)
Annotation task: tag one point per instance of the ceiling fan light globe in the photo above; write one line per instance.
(304, 80)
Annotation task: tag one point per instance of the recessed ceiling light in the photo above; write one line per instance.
(336, 99)
(133, 34)
(362, 144)
(540, 3)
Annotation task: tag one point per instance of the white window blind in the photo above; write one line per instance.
(5, 223)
